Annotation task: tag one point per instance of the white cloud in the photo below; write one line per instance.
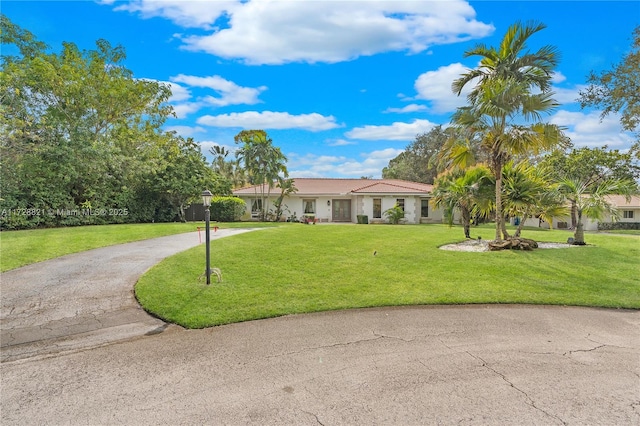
(558, 77)
(198, 14)
(184, 109)
(178, 93)
(270, 120)
(276, 32)
(408, 108)
(567, 95)
(340, 142)
(185, 131)
(586, 129)
(435, 87)
(397, 131)
(369, 164)
(230, 92)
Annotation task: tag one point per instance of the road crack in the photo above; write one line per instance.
(528, 399)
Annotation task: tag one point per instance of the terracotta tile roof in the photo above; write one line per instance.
(313, 186)
(621, 202)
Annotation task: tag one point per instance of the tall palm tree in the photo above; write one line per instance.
(511, 85)
(591, 200)
(263, 162)
(466, 192)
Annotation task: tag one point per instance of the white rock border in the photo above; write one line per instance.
(483, 245)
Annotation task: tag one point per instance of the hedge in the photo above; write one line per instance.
(227, 209)
(609, 226)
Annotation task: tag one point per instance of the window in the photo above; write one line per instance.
(424, 207)
(627, 214)
(309, 206)
(400, 203)
(377, 208)
(256, 206)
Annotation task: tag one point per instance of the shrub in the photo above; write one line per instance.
(394, 214)
(614, 226)
(227, 209)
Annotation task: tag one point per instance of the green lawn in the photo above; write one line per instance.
(297, 269)
(19, 248)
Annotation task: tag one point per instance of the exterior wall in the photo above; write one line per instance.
(360, 205)
(636, 214)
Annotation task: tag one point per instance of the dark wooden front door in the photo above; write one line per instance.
(341, 211)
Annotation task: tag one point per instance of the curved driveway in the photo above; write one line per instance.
(83, 299)
(408, 365)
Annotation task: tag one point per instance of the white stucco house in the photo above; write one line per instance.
(342, 200)
(629, 211)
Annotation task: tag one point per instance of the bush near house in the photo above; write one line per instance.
(227, 209)
(615, 226)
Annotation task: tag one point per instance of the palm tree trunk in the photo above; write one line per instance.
(520, 226)
(578, 236)
(466, 222)
(499, 218)
(505, 233)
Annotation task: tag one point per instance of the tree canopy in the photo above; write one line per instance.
(417, 163)
(618, 90)
(81, 140)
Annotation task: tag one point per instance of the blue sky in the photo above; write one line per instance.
(341, 87)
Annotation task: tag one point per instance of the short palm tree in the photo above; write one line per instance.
(287, 187)
(591, 200)
(527, 191)
(510, 85)
(465, 191)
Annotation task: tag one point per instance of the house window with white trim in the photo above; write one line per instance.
(309, 206)
(377, 208)
(256, 206)
(424, 207)
(400, 203)
(627, 214)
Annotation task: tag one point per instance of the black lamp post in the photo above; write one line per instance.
(206, 200)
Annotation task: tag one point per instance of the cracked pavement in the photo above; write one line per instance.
(77, 349)
(83, 299)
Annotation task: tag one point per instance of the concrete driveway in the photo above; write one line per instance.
(85, 299)
(409, 365)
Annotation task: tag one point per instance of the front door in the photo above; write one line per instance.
(341, 211)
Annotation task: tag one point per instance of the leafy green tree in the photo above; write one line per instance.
(618, 90)
(510, 85)
(417, 163)
(78, 131)
(263, 162)
(591, 166)
(186, 175)
(591, 200)
(468, 192)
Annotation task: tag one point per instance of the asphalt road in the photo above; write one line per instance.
(398, 366)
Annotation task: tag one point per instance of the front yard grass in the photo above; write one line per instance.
(20, 248)
(299, 269)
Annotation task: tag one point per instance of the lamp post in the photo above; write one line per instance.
(206, 200)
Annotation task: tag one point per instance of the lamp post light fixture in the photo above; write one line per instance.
(206, 200)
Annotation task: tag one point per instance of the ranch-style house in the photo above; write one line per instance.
(343, 200)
